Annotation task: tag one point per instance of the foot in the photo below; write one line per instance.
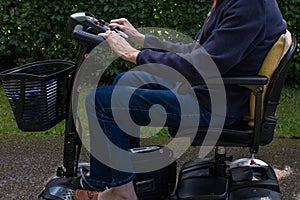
(123, 192)
(86, 195)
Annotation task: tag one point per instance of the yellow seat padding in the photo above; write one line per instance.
(269, 66)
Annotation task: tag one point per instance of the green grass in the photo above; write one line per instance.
(288, 113)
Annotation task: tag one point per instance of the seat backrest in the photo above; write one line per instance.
(275, 68)
(271, 62)
(272, 95)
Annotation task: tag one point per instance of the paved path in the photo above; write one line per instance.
(26, 162)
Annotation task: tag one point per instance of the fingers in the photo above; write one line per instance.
(122, 27)
(107, 34)
(120, 21)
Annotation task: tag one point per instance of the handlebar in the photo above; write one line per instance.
(86, 38)
(84, 28)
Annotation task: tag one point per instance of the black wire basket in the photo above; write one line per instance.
(38, 93)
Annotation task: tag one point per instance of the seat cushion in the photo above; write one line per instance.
(228, 137)
(239, 134)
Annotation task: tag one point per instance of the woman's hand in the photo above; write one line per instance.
(120, 46)
(129, 29)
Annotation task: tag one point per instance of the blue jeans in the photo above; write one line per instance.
(141, 101)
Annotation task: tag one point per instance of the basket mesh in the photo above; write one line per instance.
(37, 93)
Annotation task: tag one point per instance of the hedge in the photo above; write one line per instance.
(35, 30)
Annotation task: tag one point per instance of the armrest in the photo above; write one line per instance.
(252, 80)
(249, 81)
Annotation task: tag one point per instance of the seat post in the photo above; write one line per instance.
(257, 119)
(220, 156)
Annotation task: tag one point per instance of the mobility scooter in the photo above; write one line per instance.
(40, 96)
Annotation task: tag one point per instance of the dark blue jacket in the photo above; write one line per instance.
(237, 35)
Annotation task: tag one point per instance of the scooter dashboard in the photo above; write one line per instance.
(84, 28)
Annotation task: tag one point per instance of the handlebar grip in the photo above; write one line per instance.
(85, 37)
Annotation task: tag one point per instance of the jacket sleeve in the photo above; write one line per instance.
(152, 42)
